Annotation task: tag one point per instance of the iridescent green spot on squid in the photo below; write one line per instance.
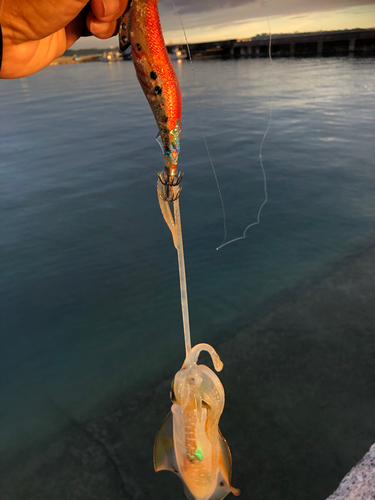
(198, 454)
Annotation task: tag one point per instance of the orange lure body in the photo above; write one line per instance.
(140, 28)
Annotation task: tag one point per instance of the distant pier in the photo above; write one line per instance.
(357, 42)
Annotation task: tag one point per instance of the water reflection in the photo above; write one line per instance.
(86, 256)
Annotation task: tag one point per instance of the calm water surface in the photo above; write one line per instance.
(90, 297)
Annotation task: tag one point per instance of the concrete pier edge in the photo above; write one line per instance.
(359, 483)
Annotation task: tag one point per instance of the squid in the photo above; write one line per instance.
(189, 442)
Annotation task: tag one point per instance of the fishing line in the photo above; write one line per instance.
(261, 161)
(201, 124)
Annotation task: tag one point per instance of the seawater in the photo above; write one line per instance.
(90, 306)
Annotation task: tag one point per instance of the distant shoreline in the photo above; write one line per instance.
(355, 42)
(75, 60)
(90, 55)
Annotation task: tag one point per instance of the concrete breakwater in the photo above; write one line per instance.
(359, 483)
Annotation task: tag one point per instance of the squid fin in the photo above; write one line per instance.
(226, 457)
(164, 455)
(224, 478)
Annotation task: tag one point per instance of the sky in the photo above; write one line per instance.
(213, 20)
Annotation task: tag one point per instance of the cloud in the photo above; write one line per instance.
(208, 20)
(194, 6)
(257, 8)
(301, 16)
(201, 14)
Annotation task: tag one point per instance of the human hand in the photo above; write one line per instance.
(35, 32)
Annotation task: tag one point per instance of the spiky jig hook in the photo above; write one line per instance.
(168, 193)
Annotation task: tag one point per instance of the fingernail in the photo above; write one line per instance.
(110, 7)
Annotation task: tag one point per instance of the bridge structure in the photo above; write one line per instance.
(358, 42)
(347, 42)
